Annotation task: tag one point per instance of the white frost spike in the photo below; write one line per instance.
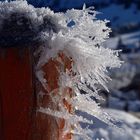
(40, 75)
(81, 41)
(73, 119)
(80, 36)
(84, 6)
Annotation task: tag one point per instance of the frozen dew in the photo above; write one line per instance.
(80, 36)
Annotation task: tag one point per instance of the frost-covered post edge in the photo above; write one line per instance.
(79, 37)
(70, 58)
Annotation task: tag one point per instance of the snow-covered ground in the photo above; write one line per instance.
(130, 127)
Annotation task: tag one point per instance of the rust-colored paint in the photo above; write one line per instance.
(54, 125)
(18, 100)
(16, 94)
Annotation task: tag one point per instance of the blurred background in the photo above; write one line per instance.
(123, 100)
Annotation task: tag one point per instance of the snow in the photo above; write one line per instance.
(34, 21)
(72, 119)
(130, 127)
(81, 42)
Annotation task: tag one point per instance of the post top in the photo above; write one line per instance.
(21, 24)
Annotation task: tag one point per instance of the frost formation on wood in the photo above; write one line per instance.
(79, 35)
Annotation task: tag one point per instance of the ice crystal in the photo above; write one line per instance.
(82, 40)
(79, 35)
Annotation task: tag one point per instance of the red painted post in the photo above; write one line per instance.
(18, 91)
(16, 94)
(50, 127)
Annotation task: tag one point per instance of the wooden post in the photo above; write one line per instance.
(16, 94)
(49, 127)
(19, 97)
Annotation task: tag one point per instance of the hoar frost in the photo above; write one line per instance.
(82, 42)
(79, 35)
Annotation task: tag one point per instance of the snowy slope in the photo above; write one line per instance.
(130, 124)
(130, 127)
